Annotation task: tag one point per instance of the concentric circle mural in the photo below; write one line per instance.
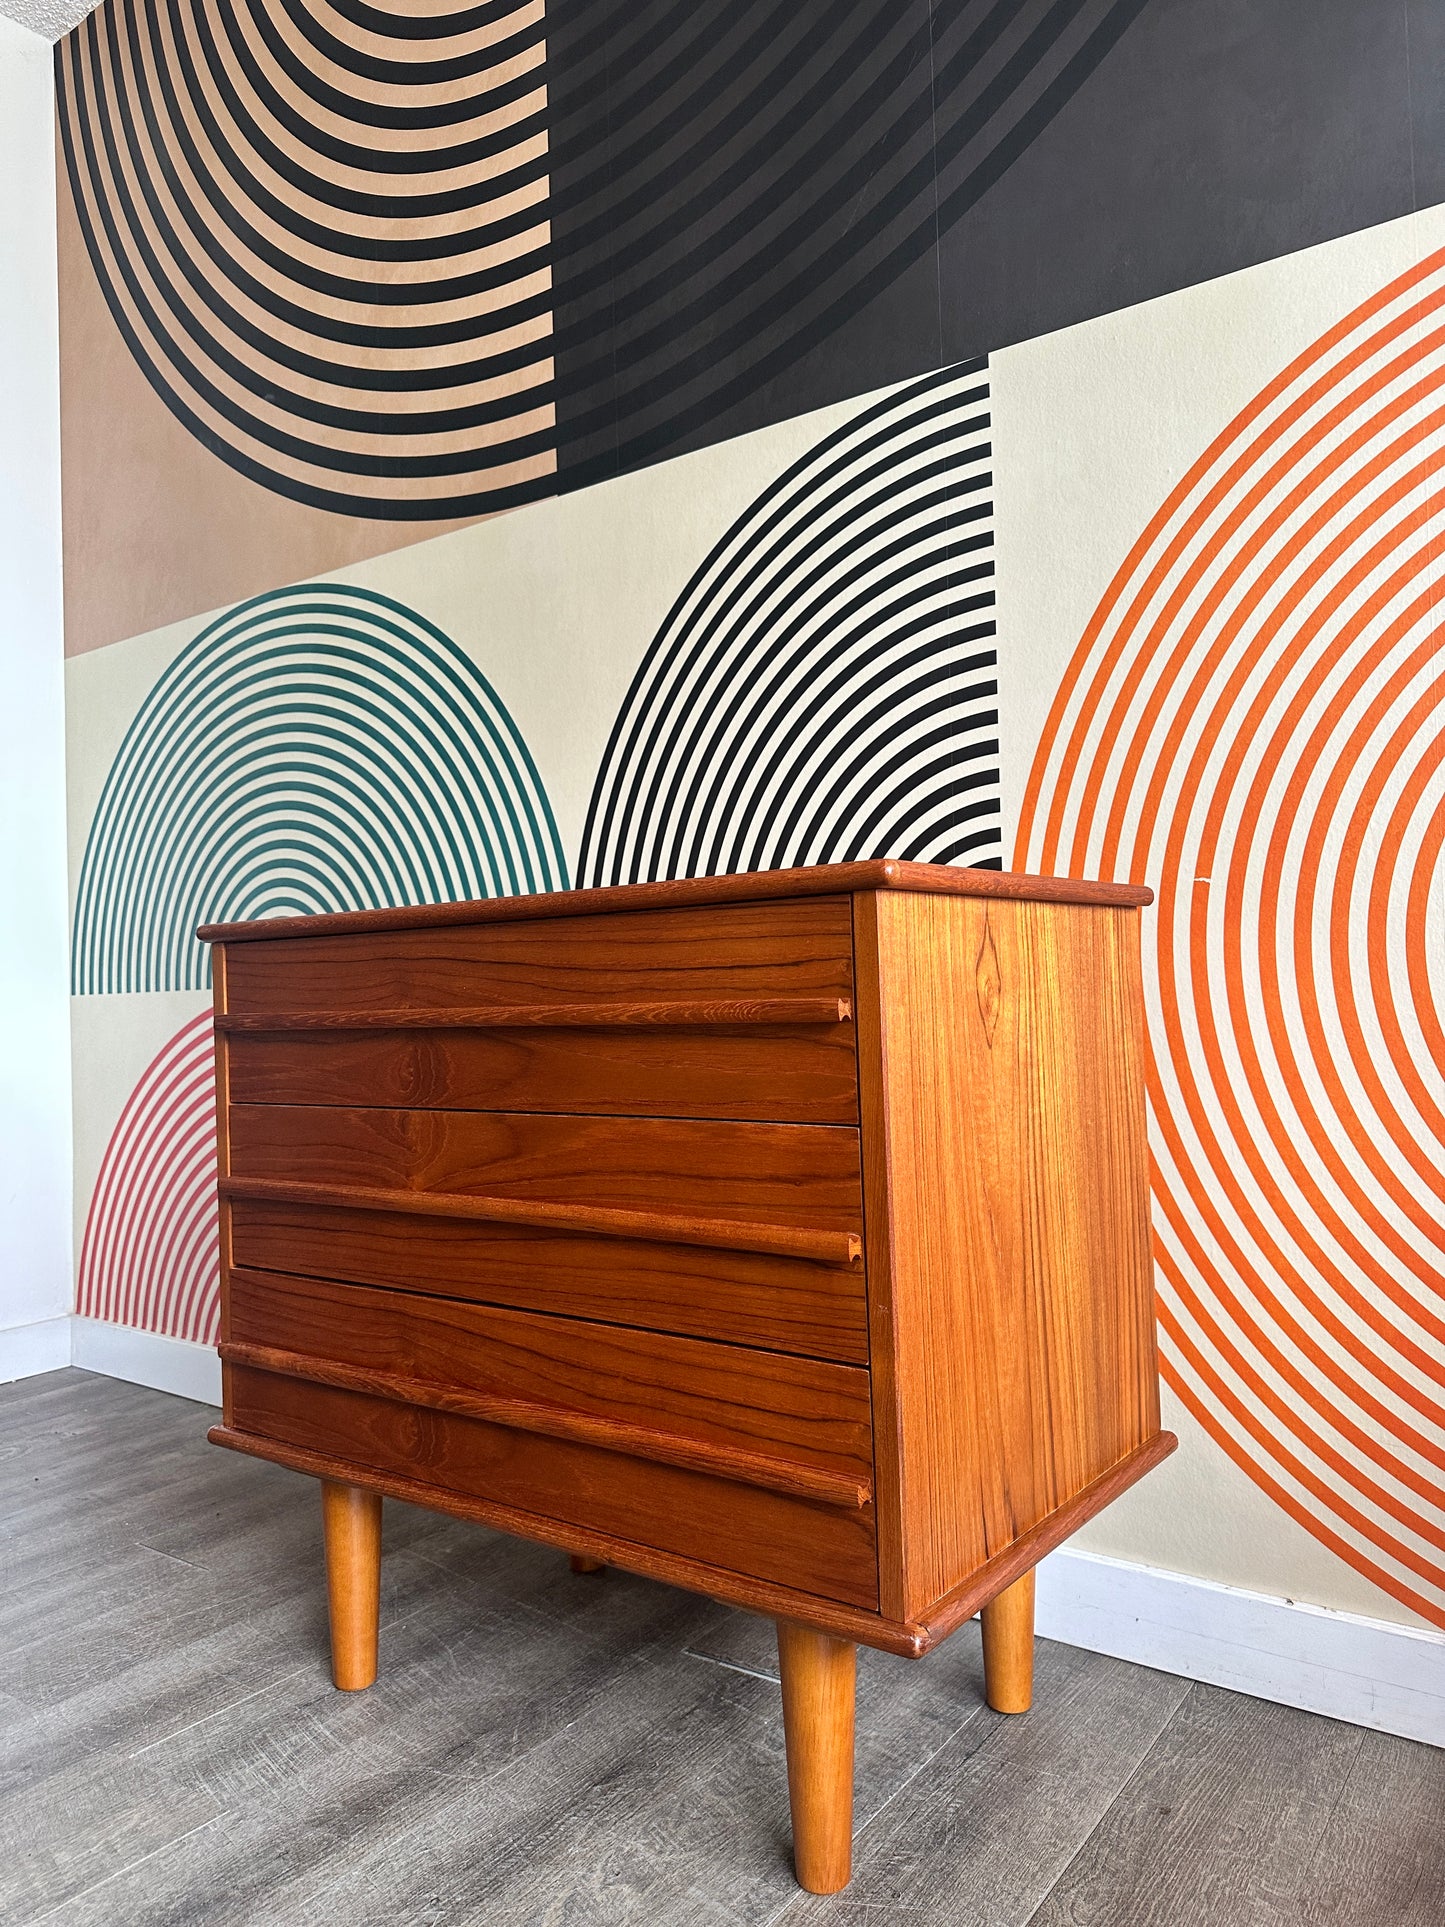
(1254, 723)
(149, 1253)
(825, 687)
(319, 748)
(323, 233)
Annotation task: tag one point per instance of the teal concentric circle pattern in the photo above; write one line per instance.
(317, 748)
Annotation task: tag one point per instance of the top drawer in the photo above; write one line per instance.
(738, 1011)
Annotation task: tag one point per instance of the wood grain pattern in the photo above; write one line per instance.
(785, 1241)
(908, 1639)
(1010, 1333)
(1380, 1862)
(356, 964)
(788, 1075)
(804, 1176)
(224, 1227)
(351, 1522)
(822, 1550)
(759, 887)
(1200, 1833)
(742, 1466)
(783, 1304)
(678, 1013)
(764, 958)
(1008, 1647)
(873, 1116)
(972, 1594)
(1008, 1212)
(819, 1677)
(797, 1409)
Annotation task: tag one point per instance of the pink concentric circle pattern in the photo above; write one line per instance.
(149, 1256)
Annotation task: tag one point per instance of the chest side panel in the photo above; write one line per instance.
(1014, 1362)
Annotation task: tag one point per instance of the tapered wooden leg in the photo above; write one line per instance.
(351, 1518)
(1008, 1647)
(581, 1563)
(819, 1674)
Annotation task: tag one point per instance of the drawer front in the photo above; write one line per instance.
(735, 1012)
(678, 1397)
(800, 1074)
(781, 1303)
(819, 1548)
(748, 1181)
(678, 1224)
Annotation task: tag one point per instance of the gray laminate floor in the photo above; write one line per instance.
(548, 1749)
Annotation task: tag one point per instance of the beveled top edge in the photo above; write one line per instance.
(824, 879)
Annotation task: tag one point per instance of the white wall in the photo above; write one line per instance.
(35, 1236)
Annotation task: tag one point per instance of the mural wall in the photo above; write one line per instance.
(513, 446)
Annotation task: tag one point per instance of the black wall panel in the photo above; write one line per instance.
(1216, 134)
(760, 207)
(742, 215)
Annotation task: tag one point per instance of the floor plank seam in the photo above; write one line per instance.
(731, 1666)
(527, 1608)
(1188, 1688)
(293, 1672)
(499, 1773)
(220, 1712)
(1328, 1822)
(155, 1551)
(469, 1785)
(71, 1900)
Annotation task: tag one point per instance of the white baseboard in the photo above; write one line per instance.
(1369, 1672)
(27, 1350)
(145, 1358)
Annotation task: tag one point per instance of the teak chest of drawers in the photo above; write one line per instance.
(782, 1236)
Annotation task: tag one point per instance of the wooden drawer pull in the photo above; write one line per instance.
(556, 1421)
(677, 1013)
(598, 1221)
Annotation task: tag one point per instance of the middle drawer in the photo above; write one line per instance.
(751, 1232)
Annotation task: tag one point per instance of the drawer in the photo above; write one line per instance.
(803, 1073)
(781, 1187)
(791, 1424)
(749, 1232)
(748, 1179)
(784, 1304)
(821, 1548)
(742, 1012)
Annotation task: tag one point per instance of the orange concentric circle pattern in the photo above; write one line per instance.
(1254, 723)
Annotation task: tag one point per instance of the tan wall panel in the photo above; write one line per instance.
(156, 527)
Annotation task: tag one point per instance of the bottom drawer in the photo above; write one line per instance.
(816, 1548)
